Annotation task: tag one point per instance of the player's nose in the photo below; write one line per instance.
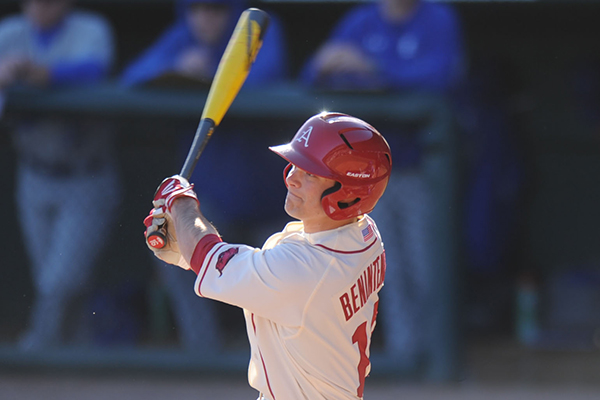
(292, 178)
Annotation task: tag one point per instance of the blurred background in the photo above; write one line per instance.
(492, 110)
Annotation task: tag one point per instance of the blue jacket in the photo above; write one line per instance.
(270, 65)
(423, 53)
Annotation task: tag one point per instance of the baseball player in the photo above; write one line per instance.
(310, 294)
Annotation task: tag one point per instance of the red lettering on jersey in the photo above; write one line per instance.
(345, 300)
(361, 290)
(370, 281)
(354, 296)
(375, 311)
(370, 286)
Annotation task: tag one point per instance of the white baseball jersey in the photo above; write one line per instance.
(310, 302)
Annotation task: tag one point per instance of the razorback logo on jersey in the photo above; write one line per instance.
(224, 258)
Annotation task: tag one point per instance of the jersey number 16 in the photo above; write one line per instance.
(363, 337)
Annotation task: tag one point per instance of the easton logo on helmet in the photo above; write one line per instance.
(358, 175)
(305, 136)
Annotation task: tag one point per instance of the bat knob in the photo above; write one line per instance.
(157, 240)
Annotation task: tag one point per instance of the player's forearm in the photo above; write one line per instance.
(190, 226)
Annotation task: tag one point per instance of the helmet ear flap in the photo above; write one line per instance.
(334, 201)
(336, 186)
(341, 204)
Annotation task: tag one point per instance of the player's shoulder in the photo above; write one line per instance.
(291, 243)
(291, 228)
(308, 248)
(294, 259)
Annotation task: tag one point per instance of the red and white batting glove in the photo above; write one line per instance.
(168, 191)
(172, 189)
(162, 240)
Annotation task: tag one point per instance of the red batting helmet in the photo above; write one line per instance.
(348, 150)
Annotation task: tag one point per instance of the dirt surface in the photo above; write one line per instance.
(67, 387)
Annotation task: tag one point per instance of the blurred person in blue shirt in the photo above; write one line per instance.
(391, 45)
(398, 46)
(67, 189)
(192, 48)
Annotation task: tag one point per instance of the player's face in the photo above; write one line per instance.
(303, 200)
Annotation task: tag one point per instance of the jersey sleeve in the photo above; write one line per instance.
(274, 283)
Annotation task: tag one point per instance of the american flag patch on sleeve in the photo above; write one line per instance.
(368, 233)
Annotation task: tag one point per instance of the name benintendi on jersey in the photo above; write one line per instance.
(371, 280)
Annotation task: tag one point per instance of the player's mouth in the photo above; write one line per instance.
(290, 194)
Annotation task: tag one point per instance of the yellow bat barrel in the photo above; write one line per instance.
(236, 62)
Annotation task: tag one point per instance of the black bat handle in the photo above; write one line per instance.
(204, 132)
(206, 127)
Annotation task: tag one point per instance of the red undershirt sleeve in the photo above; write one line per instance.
(202, 248)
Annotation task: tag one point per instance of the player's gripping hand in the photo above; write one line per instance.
(159, 221)
(168, 191)
(171, 189)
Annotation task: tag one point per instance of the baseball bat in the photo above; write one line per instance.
(234, 66)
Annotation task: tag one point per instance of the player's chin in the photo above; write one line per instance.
(291, 207)
(292, 200)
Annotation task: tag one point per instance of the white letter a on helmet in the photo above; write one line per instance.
(305, 136)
